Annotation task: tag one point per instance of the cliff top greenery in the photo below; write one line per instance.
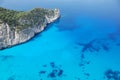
(24, 19)
(8, 16)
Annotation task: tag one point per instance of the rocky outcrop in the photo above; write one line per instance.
(11, 36)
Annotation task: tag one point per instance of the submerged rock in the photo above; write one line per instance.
(42, 72)
(95, 45)
(5, 57)
(89, 46)
(11, 78)
(118, 44)
(60, 72)
(53, 74)
(52, 71)
(52, 64)
(112, 75)
(17, 26)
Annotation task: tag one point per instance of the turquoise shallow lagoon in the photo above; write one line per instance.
(82, 45)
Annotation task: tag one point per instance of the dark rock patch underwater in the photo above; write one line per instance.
(112, 75)
(55, 71)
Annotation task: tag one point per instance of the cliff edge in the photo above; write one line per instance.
(18, 26)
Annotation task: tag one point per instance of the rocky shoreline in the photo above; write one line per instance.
(9, 37)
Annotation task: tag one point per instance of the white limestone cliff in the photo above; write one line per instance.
(10, 37)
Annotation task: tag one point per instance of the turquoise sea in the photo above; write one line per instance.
(84, 44)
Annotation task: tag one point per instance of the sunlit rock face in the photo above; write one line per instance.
(28, 24)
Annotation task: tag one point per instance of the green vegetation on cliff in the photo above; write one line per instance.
(21, 19)
(8, 16)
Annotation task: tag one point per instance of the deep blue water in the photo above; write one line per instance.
(82, 45)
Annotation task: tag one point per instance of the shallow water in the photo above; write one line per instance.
(82, 45)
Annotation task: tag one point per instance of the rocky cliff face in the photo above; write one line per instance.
(12, 36)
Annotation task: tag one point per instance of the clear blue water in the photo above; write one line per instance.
(82, 45)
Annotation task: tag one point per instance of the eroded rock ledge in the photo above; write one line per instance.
(21, 26)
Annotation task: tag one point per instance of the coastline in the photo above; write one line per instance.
(28, 33)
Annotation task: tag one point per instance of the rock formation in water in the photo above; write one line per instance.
(96, 45)
(112, 75)
(18, 26)
(53, 71)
